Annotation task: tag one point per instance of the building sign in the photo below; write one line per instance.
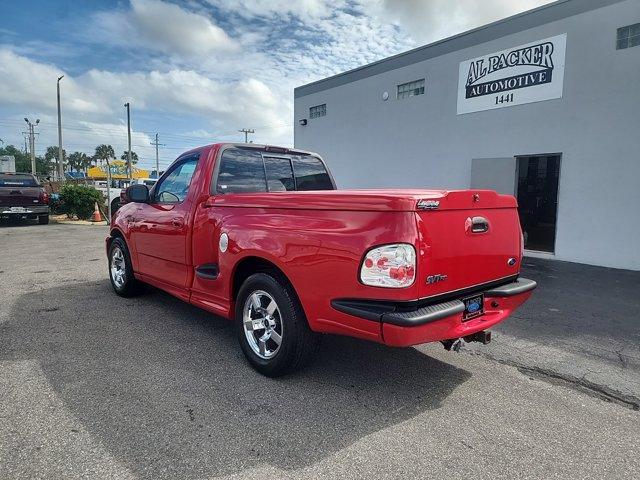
(525, 74)
(117, 169)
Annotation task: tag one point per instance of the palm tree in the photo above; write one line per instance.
(51, 156)
(79, 161)
(104, 153)
(134, 157)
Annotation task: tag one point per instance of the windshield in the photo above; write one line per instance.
(17, 181)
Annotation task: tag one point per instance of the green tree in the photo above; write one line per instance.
(51, 154)
(51, 157)
(43, 166)
(79, 161)
(104, 153)
(134, 157)
(79, 200)
(23, 161)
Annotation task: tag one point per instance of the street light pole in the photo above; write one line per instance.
(129, 139)
(60, 155)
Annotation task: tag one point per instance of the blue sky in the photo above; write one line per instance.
(196, 71)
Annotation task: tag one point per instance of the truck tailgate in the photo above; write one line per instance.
(470, 239)
(19, 196)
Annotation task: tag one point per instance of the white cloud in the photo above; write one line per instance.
(101, 93)
(164, 27)
(33, 85)
(431, 20)
(213, 83)
(279, 8)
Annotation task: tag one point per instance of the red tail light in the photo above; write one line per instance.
(44, 197)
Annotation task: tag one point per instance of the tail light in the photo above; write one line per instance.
(390, 266)
(44, 197)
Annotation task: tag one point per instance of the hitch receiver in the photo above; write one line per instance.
(483, 337)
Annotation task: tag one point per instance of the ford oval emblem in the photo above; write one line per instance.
(512, 261)
(473, 307)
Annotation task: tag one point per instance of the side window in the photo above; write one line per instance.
(174, 187)
(241, 171)
(279, 174)
(311, 174)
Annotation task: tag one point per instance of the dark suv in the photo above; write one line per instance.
(22, 197)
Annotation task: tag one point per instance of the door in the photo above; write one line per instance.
(162, 226)
(538, 180)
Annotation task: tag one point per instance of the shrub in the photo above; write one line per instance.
(80, 200)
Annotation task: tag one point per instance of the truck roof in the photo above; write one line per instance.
(257, 146)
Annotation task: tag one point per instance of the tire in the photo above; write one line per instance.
(121, 275)
(298, 344)
(43, 219)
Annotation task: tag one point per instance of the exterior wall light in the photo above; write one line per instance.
(302, 121)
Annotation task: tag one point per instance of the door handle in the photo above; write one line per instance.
(476, 225)
(177, 222)
(479, 225)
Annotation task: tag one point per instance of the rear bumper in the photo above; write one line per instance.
(30, 211)
(415, 323)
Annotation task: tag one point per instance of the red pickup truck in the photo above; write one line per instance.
(260, 235)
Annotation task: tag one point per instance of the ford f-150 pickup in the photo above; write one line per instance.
(261, 236)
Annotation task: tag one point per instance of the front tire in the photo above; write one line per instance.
(121, 275)
(271, 326)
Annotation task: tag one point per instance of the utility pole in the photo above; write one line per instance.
(129, 171)
(60, 155)
(32, 143)
(246, 132)
(157, 159)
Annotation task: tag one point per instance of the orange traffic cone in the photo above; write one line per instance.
(96, 214)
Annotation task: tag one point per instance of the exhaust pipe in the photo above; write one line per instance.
(452, 344)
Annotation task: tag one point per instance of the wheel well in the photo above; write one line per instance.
(250, 265)
(114, 233)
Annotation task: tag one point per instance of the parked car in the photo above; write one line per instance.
(261, 236)
(22, 197)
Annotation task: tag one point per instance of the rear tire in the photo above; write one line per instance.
(271, 326)
(43, 219)
(121, 275)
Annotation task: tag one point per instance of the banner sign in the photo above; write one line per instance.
(524, 74)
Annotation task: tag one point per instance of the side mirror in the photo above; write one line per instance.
(137, 194)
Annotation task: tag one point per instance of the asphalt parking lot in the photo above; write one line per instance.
(93, 385)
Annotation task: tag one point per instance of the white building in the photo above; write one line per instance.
(544, 105)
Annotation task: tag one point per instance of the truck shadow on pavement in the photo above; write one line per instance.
(164, 386)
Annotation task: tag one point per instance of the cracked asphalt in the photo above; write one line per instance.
(582, 324)
(96, 386)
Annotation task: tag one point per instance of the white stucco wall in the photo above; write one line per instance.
(422, 142)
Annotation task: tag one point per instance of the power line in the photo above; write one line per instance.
(246, 132)
(157, 144)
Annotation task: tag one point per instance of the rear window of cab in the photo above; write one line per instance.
(18, 181)
(251, 171)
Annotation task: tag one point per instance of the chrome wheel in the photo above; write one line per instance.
(262, 324)
(118, 267)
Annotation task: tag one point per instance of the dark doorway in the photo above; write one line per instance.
(538, 200)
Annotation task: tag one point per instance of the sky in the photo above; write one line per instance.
(197, 71)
